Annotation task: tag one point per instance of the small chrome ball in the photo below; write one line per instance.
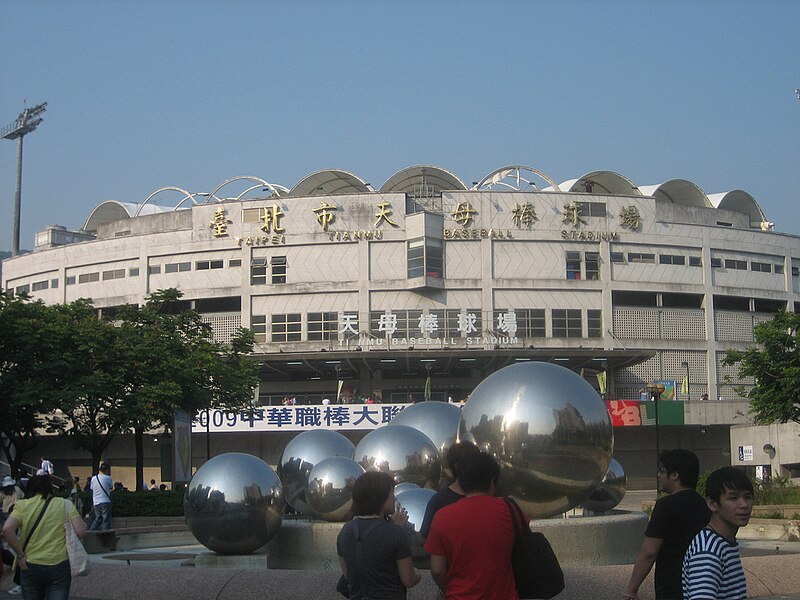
(415, 502)
(330, 488)
(610, 491)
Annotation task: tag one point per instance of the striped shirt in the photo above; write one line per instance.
(712, 569)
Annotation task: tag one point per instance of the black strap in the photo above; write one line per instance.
(359, 537)
(35, 524)
(517, 517)
(101, 487)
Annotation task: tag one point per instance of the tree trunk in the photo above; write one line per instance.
(138, 435)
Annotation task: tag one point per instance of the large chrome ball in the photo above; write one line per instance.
(299, 457)
(437, 420)
(611, 490)
(549, 430)
(415, 502)
(234, 503)
(405, 453)
(406, 485)
(330, 488)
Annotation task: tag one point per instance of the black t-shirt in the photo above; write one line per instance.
(440, 499)
(676, 519)
(382, 545)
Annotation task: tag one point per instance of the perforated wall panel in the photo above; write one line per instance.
(224, 326)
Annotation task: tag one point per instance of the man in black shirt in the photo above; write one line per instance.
(675, 521)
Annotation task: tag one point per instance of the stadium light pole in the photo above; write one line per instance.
(27, 121)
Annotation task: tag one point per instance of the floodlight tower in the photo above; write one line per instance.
(27, 121)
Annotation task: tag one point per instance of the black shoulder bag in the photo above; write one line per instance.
(28, 539)
(343, 585)
(536, 569)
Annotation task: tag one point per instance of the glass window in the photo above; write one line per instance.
(641, 257)
(22, 289)
(573, 265)
(716, 263)
(778, 269)
(567, 323)
(594, 323)
(434, 258)
(114, 274)
(278, 264)
(88, 277)
(415, 257)
(54, 283)
(595, 209)
(671, 259)
(592, 260)
(235, 262)
(181, 267)
(695, 261)
(738, 265)
(424, 256)
(617, 257)
(40, 285)
(286, 328)
(258, 271)
(133, 272)
(795, 271)
(70, 280)
(258, 323)
(531, 322)
(323, 326)
(154, 269)
(761, 267)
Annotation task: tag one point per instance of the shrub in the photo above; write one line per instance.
(147, 504)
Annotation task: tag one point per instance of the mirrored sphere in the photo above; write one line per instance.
(406, 485)
(234, 503)
(299, 457)
(415, 502)
(330, 488)
(611, 490)
(405, 453)
(437, 420)
(549, 430)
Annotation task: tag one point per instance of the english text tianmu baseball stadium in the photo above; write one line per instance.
(428, 277)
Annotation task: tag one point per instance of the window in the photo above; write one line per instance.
(235, 262)
(258, 325)
(594, 323)
(795, 271)
(258, 271)
(716, 263)
(446, 323)
(425, 257)
(732, 263)
(573, 265)
(671, 259)
(531, 322)
(567, 323)
(205, 265)
(695, 261)
(133, 272)
(177, 267)
(88, 277)
(286, 328)
(40, 285)
(22, 289)
(278, 264)
(592, 260)
(54, 283)
(323, 326)
(778, 269)
(114, 274)
(70, 280)
(761, 267)
(617, 257)
(154, 269)
(595, 209)
(641, 257)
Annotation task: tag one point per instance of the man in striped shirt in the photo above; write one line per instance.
(712, 568)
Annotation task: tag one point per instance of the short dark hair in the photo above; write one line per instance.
(103, 467)
(40, 484)
(727, 478)
(370, 492)
(477, 471)
(456, 453)
(683, 462)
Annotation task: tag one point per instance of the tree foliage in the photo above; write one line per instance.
(775, 366)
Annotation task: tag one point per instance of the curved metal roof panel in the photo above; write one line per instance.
(739, 201)
(329, 182)
(114, 210)
(429, 177)
(602, 182)
(678, 191)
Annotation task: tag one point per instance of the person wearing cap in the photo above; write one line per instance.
(101, 484)
(11, 492)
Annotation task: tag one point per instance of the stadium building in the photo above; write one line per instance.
(425, 286)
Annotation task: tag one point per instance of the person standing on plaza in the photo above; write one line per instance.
(41, 548)
(470, 540)
(374, 552)
(101, 499)
(676, 519)
(712, 567)
(450, 493)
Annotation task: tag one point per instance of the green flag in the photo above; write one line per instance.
(428, 388)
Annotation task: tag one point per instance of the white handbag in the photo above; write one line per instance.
(78, 558)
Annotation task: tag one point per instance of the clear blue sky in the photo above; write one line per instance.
(189, 93)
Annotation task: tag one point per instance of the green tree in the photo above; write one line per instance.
(26, 367)
(775, 366)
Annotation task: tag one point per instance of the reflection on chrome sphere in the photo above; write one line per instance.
(405, 453)
(234, 503)
(611, 490)
(299, 457)
(549, 430)
(415, 502)
(330, 488)
(437, 420)
(406, 485)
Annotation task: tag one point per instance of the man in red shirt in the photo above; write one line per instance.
(470, 540)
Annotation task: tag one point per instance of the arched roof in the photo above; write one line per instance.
(739, 201)
(114, 210)
(330, 182)
(426, 178)
(602, 182)
(678, 191)
(512, 177)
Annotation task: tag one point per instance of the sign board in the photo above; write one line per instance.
(181, 448)
(745, 453)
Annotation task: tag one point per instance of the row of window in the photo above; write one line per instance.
(437, 324)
